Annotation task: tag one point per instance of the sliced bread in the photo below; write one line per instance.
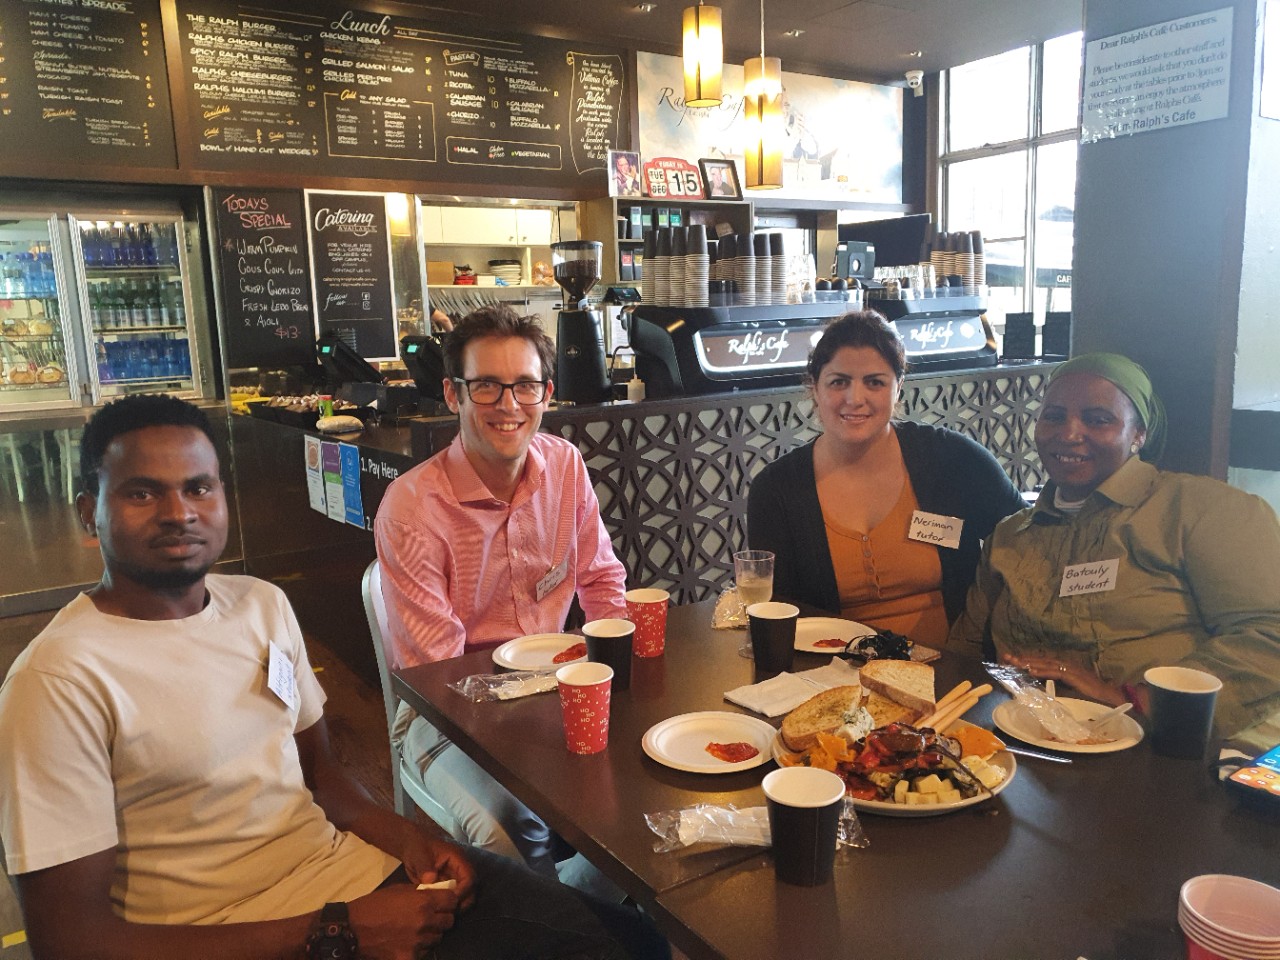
(902, 681)
(885, 711)
(824, 712)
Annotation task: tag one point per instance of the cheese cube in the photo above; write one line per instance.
(929, 784)
(991, 776)
(949, 796)
(900, 791)
(919, 799)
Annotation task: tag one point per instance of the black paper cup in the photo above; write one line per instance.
(609, 642)
(804, 813)
(773, 635)
(1181, 706)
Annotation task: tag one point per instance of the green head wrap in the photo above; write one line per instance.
(1134, 383)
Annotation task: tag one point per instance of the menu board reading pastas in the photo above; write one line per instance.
(84, 81)
(351, 260)
(335, 89)
(263, 272)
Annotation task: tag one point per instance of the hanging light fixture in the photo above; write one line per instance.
(703, 55)
(762, 108)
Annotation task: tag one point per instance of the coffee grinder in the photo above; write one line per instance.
(580, 367)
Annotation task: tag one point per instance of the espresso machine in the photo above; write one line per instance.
(580, 368)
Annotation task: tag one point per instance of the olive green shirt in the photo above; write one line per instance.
(1198, 585)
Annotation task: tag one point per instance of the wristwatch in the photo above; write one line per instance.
(332, 937)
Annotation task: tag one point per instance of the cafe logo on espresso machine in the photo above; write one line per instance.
(757, 347)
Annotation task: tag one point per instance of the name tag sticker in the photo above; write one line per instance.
(553, 577)
(935, 528)
(1098, 577)
(280, 678)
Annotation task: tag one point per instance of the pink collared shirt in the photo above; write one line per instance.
(462, 570)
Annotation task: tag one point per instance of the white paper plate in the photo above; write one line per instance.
(681, 742)
(1016, 724)
(1003, 759)
(811, 630)
(536, 651)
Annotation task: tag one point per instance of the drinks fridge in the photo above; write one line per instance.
(95, 304)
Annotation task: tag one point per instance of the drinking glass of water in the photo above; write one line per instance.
(753, 576)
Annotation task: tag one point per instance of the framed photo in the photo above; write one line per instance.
(720, 179)
(624, 174)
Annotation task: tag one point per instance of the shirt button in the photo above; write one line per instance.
(865, 539)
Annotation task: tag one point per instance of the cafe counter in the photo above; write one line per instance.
(671, 476)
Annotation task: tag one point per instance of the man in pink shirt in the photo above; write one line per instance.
(490, 540)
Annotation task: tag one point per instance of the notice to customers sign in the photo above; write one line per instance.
(1166, 75)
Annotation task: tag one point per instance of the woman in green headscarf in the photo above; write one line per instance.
(1120, 567)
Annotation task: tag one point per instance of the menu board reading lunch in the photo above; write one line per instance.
(351, 257)
(337, 90)
(84, 79)
(265, 283)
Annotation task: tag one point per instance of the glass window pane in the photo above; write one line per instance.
(989, 194)
(1060, 103)
(1055, 214)
(988, 100)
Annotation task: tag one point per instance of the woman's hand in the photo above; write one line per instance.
(428, 859)
(1079, 676)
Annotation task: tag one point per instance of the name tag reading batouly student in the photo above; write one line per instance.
(941, 531)
(553, 577)
(1097, 577)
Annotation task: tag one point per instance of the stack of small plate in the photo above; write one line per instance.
(508, 271)
(1231, 918)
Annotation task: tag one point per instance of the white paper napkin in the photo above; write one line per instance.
(786, 691)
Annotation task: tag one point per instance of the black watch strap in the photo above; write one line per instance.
(332, 937)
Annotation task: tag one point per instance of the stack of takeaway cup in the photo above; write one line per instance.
(964, 258)
(726, 252)
(697, 267)
(661, 267)
(1229, 918)
(764, 269)
(650, 265)
(744, 271)
(938, 259)
(778, 261)
(979, 260)
(675, 278)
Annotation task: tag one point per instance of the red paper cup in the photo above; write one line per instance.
(647, 609)
(584, 701)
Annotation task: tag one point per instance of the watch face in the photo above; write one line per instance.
(332, 938)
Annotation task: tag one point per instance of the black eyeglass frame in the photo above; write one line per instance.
(503, 388)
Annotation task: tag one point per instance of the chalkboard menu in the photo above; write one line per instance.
(351, 262)
(84, 80)
(265, 283)
(330, 89)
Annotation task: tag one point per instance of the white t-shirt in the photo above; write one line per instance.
(163, 740)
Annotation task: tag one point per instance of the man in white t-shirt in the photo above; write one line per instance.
(167, 786)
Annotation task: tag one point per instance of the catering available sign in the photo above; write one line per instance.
(1165, 75)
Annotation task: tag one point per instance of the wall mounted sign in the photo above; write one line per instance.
(351, 267)
(1166, 75)
(87, 79)
(264, 278)
(340, 90)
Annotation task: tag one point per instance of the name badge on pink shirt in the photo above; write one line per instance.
(554, 577)
(280, 678)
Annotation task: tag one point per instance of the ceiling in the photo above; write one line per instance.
(863, 40)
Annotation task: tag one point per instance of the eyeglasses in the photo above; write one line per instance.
(488, 392)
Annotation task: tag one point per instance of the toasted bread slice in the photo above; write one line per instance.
(902, 681)
(824, 712)
(885, 711)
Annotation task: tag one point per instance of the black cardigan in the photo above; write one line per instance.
(951, 474)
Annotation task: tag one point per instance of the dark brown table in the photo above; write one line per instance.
(1070, 860)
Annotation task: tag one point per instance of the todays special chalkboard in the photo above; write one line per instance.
(264, 278)
(338, 90)
(84, 80)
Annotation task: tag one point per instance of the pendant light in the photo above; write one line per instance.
(762, 108)
(703, 55)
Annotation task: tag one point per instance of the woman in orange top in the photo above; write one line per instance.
(879, 519)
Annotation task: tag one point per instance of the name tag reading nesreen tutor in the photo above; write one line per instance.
(935, 528)
(280, 678)
(1097, 577)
